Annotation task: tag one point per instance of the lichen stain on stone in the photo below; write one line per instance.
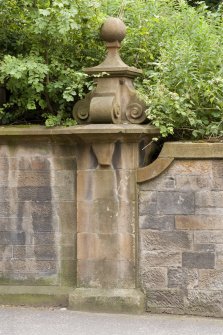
(180, 200)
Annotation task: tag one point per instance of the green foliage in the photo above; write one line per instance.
(45, 44)
(180, 49)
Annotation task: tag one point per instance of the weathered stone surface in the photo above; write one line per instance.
(15, 238)
(11, 223)
(219, 256)
(190, 182)
(211, 279)
(205, 247)
(206, 237)
(64, 193)
(4, 179)
(105, 274)
(34, 295)
(94, 246)
(153, 278)
(162, 183)
(88, 182)
(45, 238)
(125, 156)
(157, 222)
(5, 252)
(209, 198)
(35, 252)
(182, 278)
(165, 240)
(199, 222)
(32, 163)
(160, 258)
(148, 208)
(147, 203)
(175, 202)
(68, 252)
(200, 260)
(30, 178)
(125, 185)
(208, 211)
(63, 163)
(68, 275)
(13, 210)
(62, 178)
(103, 300)
(190, 167)
(217, 184)
(106, 216)
(165, 298)
(66, 216)
(43, 207)
(42, 223)
(34, 193)
(5, 194)
(206, 303)
(31, 266)
(148, 196)
(217, 169)
(116, 185)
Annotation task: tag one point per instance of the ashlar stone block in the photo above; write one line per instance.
(209, 199)
(165, 240)
(158, 258)
(165, 298)
(175, 202)
(199, 260)
(211, 279)
(199, 222)
(153, 278)
(182, 278)
(101, 246)
(157, 222)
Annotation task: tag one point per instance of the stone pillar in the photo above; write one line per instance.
(107, 220)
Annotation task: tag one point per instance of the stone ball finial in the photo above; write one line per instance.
(113, 30)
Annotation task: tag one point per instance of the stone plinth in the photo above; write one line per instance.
(107, 160)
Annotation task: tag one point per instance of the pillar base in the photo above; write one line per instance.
(107, 300)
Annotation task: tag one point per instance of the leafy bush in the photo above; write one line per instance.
(180, 49)
(45, 44)
(43, 49)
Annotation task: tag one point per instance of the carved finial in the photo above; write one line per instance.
(114, 100)
(113, 30)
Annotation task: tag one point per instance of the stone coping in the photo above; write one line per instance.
(79, 130)
(179, 150)
(191, 150)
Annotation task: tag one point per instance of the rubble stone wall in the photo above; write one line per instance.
(181, 238)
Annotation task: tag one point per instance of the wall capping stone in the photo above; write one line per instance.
(192, 150)
(179, 150)
(79, 129)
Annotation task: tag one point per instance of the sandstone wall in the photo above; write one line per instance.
(37, 210)
(181, 238)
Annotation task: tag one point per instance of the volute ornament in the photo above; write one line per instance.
(114, 100)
